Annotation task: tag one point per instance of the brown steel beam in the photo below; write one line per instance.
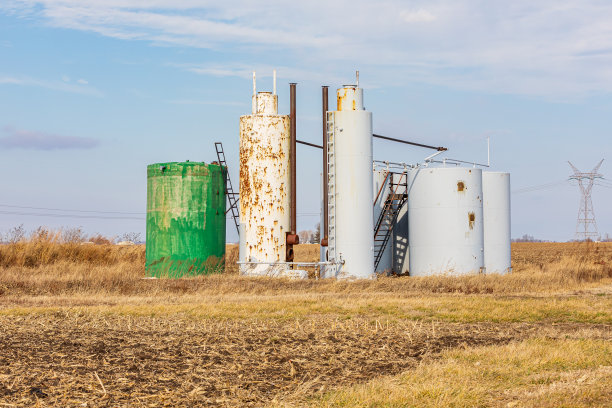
(292, 237)
(438, 148)
(293, 158)
(309, 144)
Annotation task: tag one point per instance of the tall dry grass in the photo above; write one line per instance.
(46, 266)
(46, 247)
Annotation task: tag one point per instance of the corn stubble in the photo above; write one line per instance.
(80, 327)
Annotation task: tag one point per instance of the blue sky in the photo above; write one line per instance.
(93, 91)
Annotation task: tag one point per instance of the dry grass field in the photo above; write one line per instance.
(80, 327)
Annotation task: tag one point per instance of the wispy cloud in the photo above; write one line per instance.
(263, 71)
(63, 86)
(417, 16)
(34, 140)
(545, 48)
(202, 102)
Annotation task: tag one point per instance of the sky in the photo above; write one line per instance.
(91, 92)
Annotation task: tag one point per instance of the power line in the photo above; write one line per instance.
(546, 186)
(100, 217)
(92, 216)
(71, 210)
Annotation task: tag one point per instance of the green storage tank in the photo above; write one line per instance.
(185, 219)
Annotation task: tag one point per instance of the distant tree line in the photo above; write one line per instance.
(65, 236)
(309, 236)
(529, 238)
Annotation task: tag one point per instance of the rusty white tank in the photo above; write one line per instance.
(265, 187)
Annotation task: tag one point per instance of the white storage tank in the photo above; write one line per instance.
(445, 221)
(496, 213)
(265, 187)
(351, 225)
(382, 188)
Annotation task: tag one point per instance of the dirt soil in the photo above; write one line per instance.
(71, 359)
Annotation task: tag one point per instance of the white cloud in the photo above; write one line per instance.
(263, 72)
(545, 48)
(417, 16)
(82, 81)
(62, 86)
(202, 102)
(34, 140)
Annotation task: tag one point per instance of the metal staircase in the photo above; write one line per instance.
(331, 189)
(232, 197)
(388, 215)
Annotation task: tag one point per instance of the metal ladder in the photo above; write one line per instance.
(232, 197)
(388, 216)
(331, 188)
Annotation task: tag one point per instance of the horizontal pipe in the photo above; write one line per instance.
(438, 148)
(291, 263)
(453, 161)
(309, 144)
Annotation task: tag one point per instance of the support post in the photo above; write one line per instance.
(292, 237)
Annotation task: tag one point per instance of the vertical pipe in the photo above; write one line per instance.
(254, 110)
(293, 159)
(324, 228)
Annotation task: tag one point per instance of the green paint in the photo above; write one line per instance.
(185, 219)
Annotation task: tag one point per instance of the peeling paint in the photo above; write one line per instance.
(349, 97)
(185, 219)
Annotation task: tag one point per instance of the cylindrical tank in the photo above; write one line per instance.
(445, 221)
(353, 222)
(265, 187)
(381, 189)
(185, 219)
(496, 214)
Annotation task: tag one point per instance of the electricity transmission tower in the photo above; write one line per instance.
(586, 227)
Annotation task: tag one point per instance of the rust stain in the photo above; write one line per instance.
(460, 186)
(264, 171)
(471, 220)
